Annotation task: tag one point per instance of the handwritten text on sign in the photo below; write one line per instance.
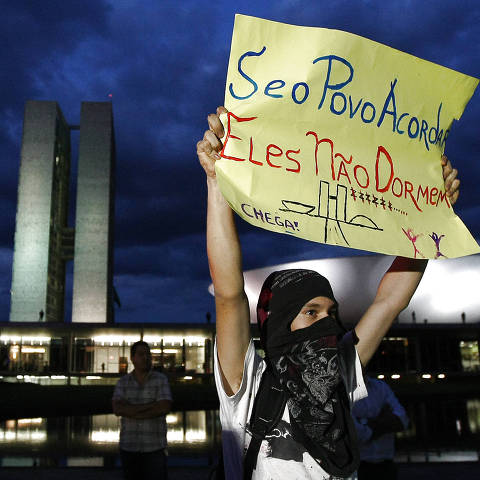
(337, 139)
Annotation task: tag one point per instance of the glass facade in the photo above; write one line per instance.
(95, 354)
(104, 354)
(25, 354)
(469, 354)
(432, 353)
(393, 355)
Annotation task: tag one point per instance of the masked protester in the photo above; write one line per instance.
(287, 416)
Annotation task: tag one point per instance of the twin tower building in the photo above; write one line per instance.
(44, 240)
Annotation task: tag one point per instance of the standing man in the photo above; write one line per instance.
(312, 367)
(142, 398)
(377, 418)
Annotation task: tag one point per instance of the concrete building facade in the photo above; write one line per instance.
(43, 240)
(93, 257)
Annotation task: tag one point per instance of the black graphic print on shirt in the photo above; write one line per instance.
(281, 444)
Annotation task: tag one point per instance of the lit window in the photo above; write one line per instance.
(469, 354)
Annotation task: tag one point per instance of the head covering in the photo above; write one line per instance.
(282, 296)
(305, 362)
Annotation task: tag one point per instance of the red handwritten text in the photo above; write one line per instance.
(273, 153)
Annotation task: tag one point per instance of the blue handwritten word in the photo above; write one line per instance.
(402, 123)
(267, 217)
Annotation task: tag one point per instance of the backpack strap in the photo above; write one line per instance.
(268, 408)
(347, 357)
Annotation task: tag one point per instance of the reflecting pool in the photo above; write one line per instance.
(440, 430)
(193, 437)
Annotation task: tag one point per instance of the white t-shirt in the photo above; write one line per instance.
(280, 456)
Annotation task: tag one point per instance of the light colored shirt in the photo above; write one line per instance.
(145, 434)
(379, 395)
(280, 456)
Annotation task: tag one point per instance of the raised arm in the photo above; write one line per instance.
(393, 295)
(225, 262)
(397, 286)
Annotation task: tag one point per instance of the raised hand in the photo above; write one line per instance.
(452, 183)
(210, 145)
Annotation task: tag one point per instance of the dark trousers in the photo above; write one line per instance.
(144, 465)
(385, 470)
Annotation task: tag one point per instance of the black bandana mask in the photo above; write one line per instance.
(305, 362)
(283, 295)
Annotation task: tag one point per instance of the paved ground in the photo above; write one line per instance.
(439, 471)
(412, 471)
(13, 473)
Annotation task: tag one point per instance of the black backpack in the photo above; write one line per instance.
(267, 411)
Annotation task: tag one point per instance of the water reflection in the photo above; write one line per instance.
(93, 440)
(24, 430)
(446, 430)
(184, 428)
(105, 429)
(473, 408)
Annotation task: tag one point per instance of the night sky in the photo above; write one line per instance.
(163, 65)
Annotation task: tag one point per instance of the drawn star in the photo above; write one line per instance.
(352, 194)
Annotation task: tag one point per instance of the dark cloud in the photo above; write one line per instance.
(36, 37)
(164, 63)
(182, 257)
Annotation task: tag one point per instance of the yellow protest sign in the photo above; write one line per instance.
(337, 139)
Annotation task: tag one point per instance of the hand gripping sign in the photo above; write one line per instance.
(337, 139)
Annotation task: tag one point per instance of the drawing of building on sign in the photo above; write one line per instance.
(333, 208)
